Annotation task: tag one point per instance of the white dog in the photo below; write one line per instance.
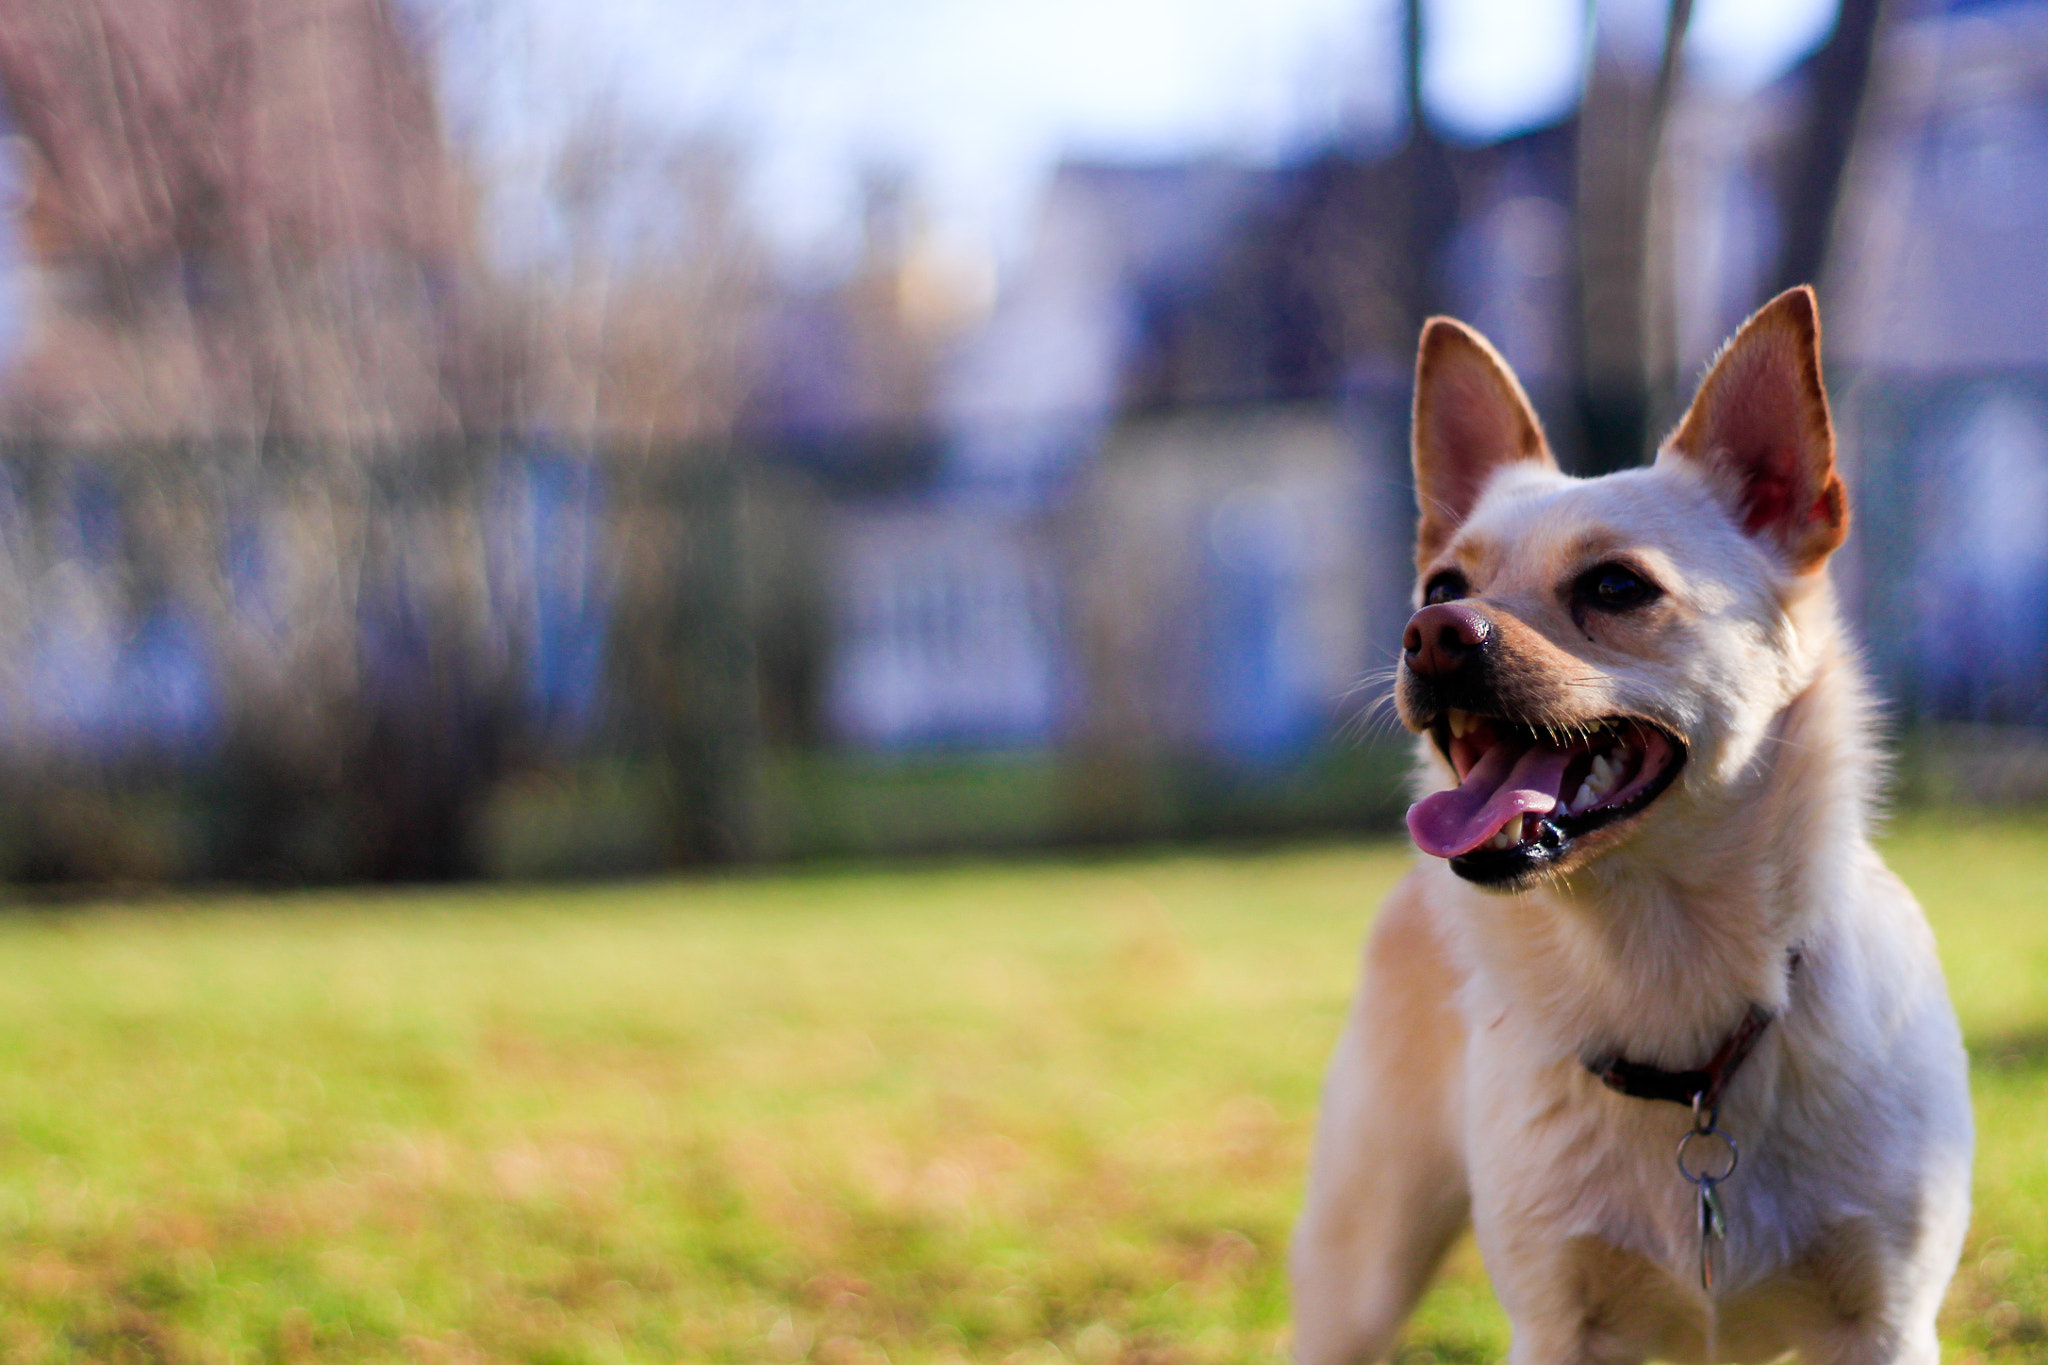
(1651, 1013)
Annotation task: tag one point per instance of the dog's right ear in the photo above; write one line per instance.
(1471, 417)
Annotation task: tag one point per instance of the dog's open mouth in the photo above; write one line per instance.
(1525, 793)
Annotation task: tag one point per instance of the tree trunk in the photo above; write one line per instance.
(1621, 131)
(1838, 78)
(1429, 207)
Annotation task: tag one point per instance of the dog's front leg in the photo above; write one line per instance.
(1387, 1189)
(1566, 1349)
(1552, 1326)
(1920, 1348)
(1576, 1300)
(1873, 1301)
(1572, 1339)
(1860, 1329)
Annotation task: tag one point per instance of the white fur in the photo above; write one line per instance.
(1458, 1079)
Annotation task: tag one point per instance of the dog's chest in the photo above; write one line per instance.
(1620, 1306)
(1564, 1165)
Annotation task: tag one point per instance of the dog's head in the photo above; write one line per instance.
(1591, 658)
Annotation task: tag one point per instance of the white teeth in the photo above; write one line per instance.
(1600, 780)
(1461, 721)
(1517, 831)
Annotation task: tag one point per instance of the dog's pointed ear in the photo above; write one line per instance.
(1471, 417)
(1760, 426)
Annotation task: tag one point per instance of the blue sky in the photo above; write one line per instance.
(976, 100)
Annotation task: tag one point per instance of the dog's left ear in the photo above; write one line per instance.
(1759, 424)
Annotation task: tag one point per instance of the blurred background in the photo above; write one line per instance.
(515, 438)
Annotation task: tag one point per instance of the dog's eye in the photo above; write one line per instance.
(1615, 587)
(1447, 586)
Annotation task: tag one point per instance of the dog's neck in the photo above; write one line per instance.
(1659, 949)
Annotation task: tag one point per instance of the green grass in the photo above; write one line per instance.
(988, 1113)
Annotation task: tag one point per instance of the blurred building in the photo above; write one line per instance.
(1939, 329)
(1148, 375)
(340, 548)
(1065, 567)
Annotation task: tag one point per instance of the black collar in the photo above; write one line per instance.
(1700, 1087)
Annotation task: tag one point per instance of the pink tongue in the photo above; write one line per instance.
(1505, 783)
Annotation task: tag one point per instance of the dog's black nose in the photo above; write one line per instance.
(1440, 638)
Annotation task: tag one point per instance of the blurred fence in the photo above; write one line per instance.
(272, 662)
(501, 659)
(1946, 573)
(279, 662)
(1951, 544)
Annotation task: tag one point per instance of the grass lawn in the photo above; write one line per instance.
(1019, 1112)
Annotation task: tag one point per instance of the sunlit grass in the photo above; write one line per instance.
(1021, 1112)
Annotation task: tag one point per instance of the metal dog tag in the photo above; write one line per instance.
(1712, 1224)
(1713, 1228)
(1699, 1172)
